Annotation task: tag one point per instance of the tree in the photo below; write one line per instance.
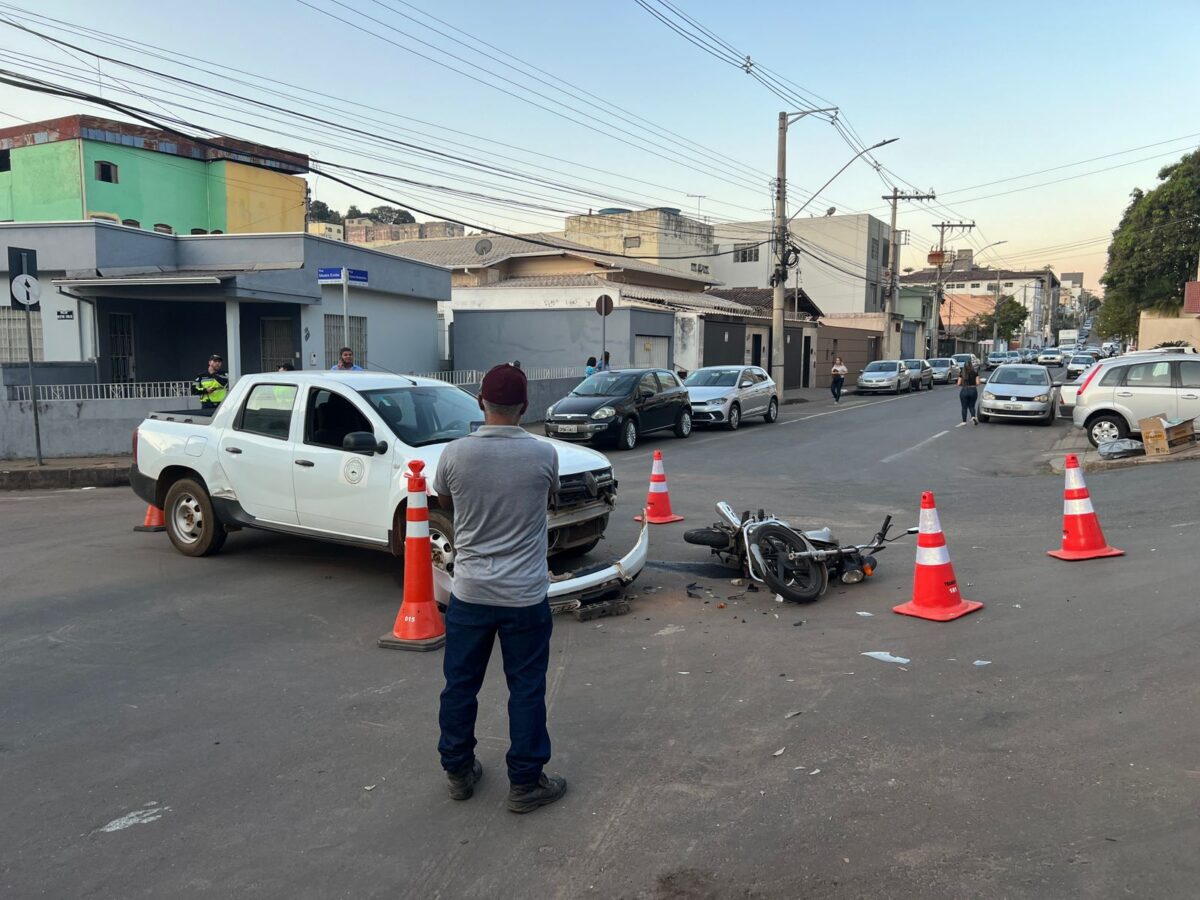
(1012, 317)
(390, 215)
(1154, 249)
(319, 211)
(354, 212)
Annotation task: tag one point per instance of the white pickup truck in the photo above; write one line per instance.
(323, 455)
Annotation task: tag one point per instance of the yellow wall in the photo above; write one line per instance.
(259, 200)
(1154, 328)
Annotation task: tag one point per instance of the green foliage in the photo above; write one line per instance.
(354, 212)
(1012, 317)
(390, 215)
(1154, 249)
(1166, 344)
(319, 211)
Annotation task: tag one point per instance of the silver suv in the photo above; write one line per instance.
(1116, 393)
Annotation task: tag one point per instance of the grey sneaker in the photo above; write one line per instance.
(462, 783)
(524, 798)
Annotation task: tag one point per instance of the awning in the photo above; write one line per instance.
(141, 280)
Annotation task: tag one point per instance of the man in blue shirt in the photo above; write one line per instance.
(346, 362)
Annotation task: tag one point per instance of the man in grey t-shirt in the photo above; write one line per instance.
(497, 484)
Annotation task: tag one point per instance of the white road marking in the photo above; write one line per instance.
(928, 440)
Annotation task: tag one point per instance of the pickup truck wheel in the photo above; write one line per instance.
(192, 523)
(441, 540)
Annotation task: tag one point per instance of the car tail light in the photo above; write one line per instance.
(135, 437)
(1086, 382)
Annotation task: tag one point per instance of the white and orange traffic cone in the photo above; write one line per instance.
(935, 589)
(154, 520)
(658, 501)
(419, 625)
(1082, 537)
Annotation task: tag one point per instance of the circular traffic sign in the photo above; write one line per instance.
(26, 289)
(604, 305)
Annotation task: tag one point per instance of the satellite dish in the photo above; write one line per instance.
(483, 247)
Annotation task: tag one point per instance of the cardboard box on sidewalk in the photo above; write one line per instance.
(1163, 436)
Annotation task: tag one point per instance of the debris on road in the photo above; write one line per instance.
(720, 606)
(670, 629)
(779, 752)
(983, 662)
(602, 610)
(369, 787)
(884, 656)
(793, 714)
(867, 614)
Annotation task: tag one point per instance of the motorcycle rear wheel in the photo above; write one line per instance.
(800, 581)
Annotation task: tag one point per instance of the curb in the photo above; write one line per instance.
(794, 400)
(44, 478)
(1090, 463)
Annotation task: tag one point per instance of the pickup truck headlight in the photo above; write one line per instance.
(988, 395)
(604, 412)
(1041, 398)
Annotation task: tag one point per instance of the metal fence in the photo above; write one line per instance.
(475, 376)
(137, 390)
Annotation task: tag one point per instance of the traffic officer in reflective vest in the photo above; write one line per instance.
(212, 385)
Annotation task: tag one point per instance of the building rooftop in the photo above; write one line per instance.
(762, 299)
(929, 275)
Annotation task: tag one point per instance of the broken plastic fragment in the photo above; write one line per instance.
(779, 752)
(815, 772)
(867, 614)
(983, 662)
(793, 714)
(884, 656)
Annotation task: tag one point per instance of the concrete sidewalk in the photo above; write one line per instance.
(84, 471)
(1090, 460)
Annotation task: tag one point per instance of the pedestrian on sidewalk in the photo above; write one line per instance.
(968, 392)
(500, 589)
(211, 385)
(838, 372)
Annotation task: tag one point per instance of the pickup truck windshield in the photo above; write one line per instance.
(426, 415)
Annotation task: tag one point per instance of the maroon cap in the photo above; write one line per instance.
(505, 385)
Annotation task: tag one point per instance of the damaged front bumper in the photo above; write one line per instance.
(584, 586)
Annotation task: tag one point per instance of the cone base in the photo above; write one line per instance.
(937, 613)
(391, 642)
(149, 527)
(660, 520)
(1085, 554)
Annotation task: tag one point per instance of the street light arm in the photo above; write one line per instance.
(839, 172)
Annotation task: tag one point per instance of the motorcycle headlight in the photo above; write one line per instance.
(604, 412)
(988, 395)
(1041, 398)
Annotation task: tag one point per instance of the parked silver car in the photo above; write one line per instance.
(1116, 393)
(1079, 364)
(1018, 391)
(963, 358)
(946, 370)
(885, 375)
(726, 395)
(921, 372)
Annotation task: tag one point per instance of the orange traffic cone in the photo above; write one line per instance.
(154, 520)
(658, 501)
(935, 589)
(1082, 537)
(419, 625)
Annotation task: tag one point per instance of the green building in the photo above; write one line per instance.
(83, 167)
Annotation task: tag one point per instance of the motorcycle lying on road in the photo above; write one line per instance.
(796, 565)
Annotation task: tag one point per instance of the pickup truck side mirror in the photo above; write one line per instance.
(363, 442)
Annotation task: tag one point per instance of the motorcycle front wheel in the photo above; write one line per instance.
(800, 580)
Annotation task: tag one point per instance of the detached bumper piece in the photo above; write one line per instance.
(585, 588)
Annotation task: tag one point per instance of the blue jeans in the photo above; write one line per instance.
(835, 386)
(471, 630)
(967, 398)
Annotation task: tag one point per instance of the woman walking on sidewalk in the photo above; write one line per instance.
(968, 393)
(838, 372)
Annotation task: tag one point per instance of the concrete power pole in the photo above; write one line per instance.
(893, 263)
(942, 228)
(779, 278)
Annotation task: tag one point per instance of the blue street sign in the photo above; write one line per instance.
(358, 276)
(329, 275)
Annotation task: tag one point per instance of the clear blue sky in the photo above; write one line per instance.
(976, 92)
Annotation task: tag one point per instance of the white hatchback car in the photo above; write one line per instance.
(1116, 393)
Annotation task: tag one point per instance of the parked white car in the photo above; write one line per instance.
(885, 375)
(323, 455)
(727, 395)
(1116, 393)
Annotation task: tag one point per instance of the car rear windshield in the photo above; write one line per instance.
(426, 415)
(1019, 375)
(712, 378)
(941, 363)
(1087, 359)
(913, 363)
(607, 384)
(881, 367)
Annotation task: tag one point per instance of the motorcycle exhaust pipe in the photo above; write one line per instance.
(725, 511)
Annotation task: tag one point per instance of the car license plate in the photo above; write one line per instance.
(568, 429)
(1012, 405)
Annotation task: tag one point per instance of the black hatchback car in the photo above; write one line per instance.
(618, 406)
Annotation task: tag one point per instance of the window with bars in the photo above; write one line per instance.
(335, 339)
(14, 345)
(745, 253)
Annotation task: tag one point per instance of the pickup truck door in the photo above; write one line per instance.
(255, 450)
(337, 492)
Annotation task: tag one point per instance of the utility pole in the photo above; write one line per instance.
(893, 263)
(942, 228)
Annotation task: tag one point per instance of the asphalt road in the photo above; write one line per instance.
(226, 727)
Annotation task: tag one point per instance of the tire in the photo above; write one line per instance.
(735, 418)
(683, 424)
(772, 414)
(441, 539)
(192, 524)
(983, 419)
(628, 437)
(1049, 420)
(1106, 428)
(800, 582)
